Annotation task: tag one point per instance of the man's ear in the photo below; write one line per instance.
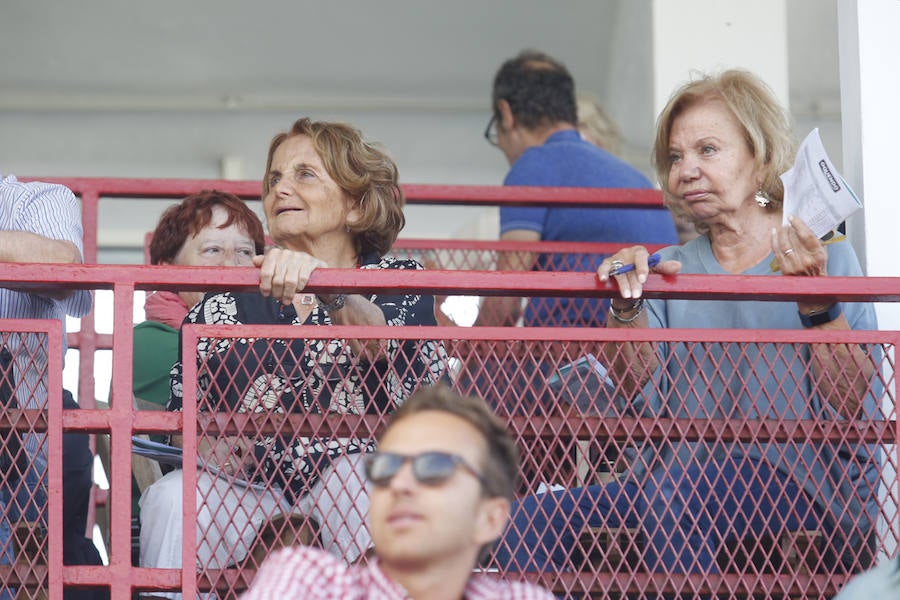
(507, 118)
(492, 518)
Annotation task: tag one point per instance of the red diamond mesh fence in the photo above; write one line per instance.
(728, 474)
(29, 353)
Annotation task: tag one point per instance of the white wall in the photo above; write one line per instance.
(711, 35)
(430, 147)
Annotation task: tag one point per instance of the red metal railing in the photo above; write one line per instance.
(452, 254)
(565, 431)
(447, 254)
(555, 433)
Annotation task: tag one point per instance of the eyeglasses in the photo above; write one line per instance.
(429, 468)
(490, 132)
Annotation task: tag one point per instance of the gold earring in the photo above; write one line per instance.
(762, 198)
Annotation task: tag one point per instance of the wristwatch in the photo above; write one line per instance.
(820, 317)
(336, 304)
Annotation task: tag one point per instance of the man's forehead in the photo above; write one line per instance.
(431, 430)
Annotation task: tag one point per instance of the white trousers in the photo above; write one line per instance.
(229, 516)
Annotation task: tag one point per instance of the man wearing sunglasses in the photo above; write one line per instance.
(441, 484)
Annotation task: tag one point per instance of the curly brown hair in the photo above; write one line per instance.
(364, 172)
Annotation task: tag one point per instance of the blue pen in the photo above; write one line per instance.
(652, 261)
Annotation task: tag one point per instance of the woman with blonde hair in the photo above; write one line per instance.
(596, 126)
(722, 142)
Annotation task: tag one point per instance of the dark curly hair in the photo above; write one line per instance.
(185, 219)
(539, 89)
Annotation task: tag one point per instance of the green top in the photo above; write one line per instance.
(155, 351)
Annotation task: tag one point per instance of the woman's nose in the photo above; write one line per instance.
(231, 259)
(687, 169)
(281, 188)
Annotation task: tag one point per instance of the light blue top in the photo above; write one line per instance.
(751, 380)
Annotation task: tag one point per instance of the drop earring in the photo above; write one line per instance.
(762, 199)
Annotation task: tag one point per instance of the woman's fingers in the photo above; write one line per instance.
(626, 257)
(283, 273)
(668, 267)
(803, 235)
(630, 268)
(266, 265)
(798, 250)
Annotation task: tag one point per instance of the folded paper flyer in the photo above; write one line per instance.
(814, 191)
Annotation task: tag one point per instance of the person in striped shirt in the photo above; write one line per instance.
(39, 223)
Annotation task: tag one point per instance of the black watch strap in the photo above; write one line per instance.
(821, 317)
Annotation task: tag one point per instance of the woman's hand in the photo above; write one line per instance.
(798, 250)
(631, 364)
(283, 272)
(631, 284)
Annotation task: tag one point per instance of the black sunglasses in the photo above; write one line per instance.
(429, 468)
(490, 132)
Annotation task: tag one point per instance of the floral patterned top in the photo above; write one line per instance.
(307, 375)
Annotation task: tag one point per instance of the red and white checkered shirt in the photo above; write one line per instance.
(302, 572)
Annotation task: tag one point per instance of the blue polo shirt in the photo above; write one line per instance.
(566, 160)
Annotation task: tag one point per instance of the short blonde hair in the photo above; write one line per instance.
(765, 124)
(596, 126)
(364, 172)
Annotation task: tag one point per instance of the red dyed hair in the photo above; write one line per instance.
(192, 214)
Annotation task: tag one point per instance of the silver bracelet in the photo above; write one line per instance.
(637, 307)
(337, 303)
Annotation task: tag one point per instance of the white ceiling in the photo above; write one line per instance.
(231, 50)
(268, 54)
(171, 87)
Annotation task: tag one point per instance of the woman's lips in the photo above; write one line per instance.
(695, 195)
(281, 211)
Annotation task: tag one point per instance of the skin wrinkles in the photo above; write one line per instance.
(716, 177)
(214, 246)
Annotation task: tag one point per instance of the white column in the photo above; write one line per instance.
(870, 97)
(870, 94)
(713, 35)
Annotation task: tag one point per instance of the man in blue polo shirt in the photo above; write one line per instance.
(534, 124)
